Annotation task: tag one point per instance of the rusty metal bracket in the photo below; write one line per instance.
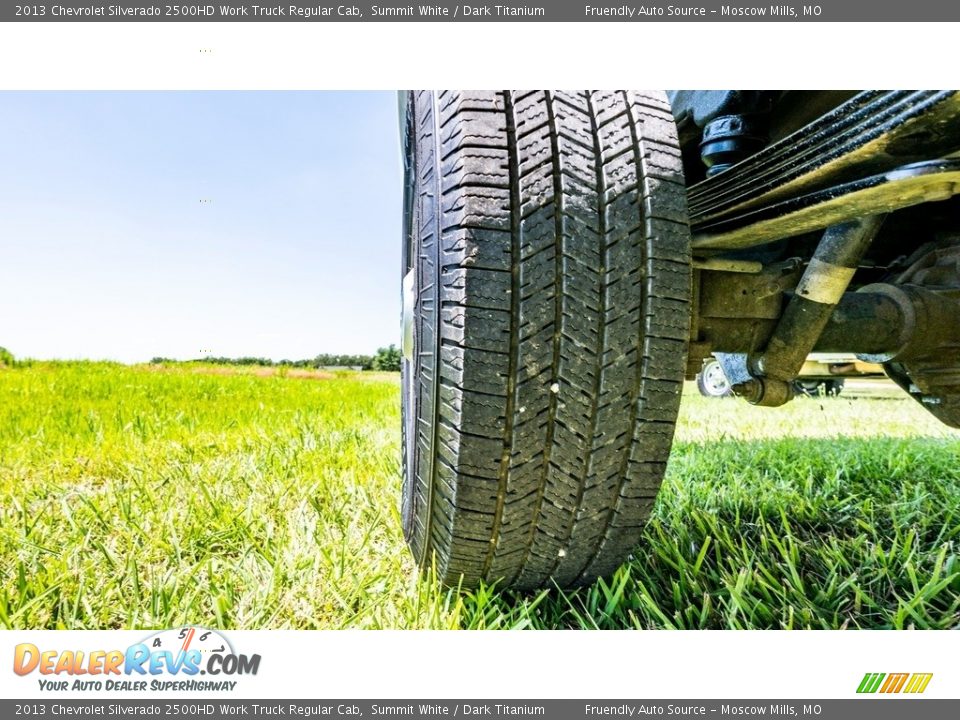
(821, 288)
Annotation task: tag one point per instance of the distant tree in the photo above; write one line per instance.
(324, 360)
(387, 358)
(6, 358)
(235, 361)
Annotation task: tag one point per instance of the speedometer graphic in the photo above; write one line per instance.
(181, 640)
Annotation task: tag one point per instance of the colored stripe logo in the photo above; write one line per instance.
(887, 683)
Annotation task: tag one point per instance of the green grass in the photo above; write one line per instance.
(145, 497)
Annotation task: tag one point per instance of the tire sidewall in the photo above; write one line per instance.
(408, 368)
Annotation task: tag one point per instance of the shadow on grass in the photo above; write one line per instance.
(840, 533)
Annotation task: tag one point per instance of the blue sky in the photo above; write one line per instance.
(107, 252)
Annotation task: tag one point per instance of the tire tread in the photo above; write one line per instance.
(554, 255)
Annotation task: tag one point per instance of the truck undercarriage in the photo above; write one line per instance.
(571, 257)
(841, 236)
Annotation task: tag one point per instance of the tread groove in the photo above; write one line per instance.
(516, 242)
(638, 378)
(434, 386)
(557, 331)
(601, 326)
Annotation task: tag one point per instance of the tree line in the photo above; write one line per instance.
(385, 359)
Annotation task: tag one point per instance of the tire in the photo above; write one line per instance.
(711, 382)
(834, 387)
(547, 255)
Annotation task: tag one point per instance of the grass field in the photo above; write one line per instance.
(152, 497)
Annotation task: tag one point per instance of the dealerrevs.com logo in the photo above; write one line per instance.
(170, 660)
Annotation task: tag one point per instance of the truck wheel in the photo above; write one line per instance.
(547, 297)
(834, 387)
(810, 388)
(711, 382)
(816, 388)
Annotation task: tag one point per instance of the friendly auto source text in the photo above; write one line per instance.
(642, 11)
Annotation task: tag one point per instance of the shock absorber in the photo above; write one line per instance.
(729, 139)
(820, 289)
